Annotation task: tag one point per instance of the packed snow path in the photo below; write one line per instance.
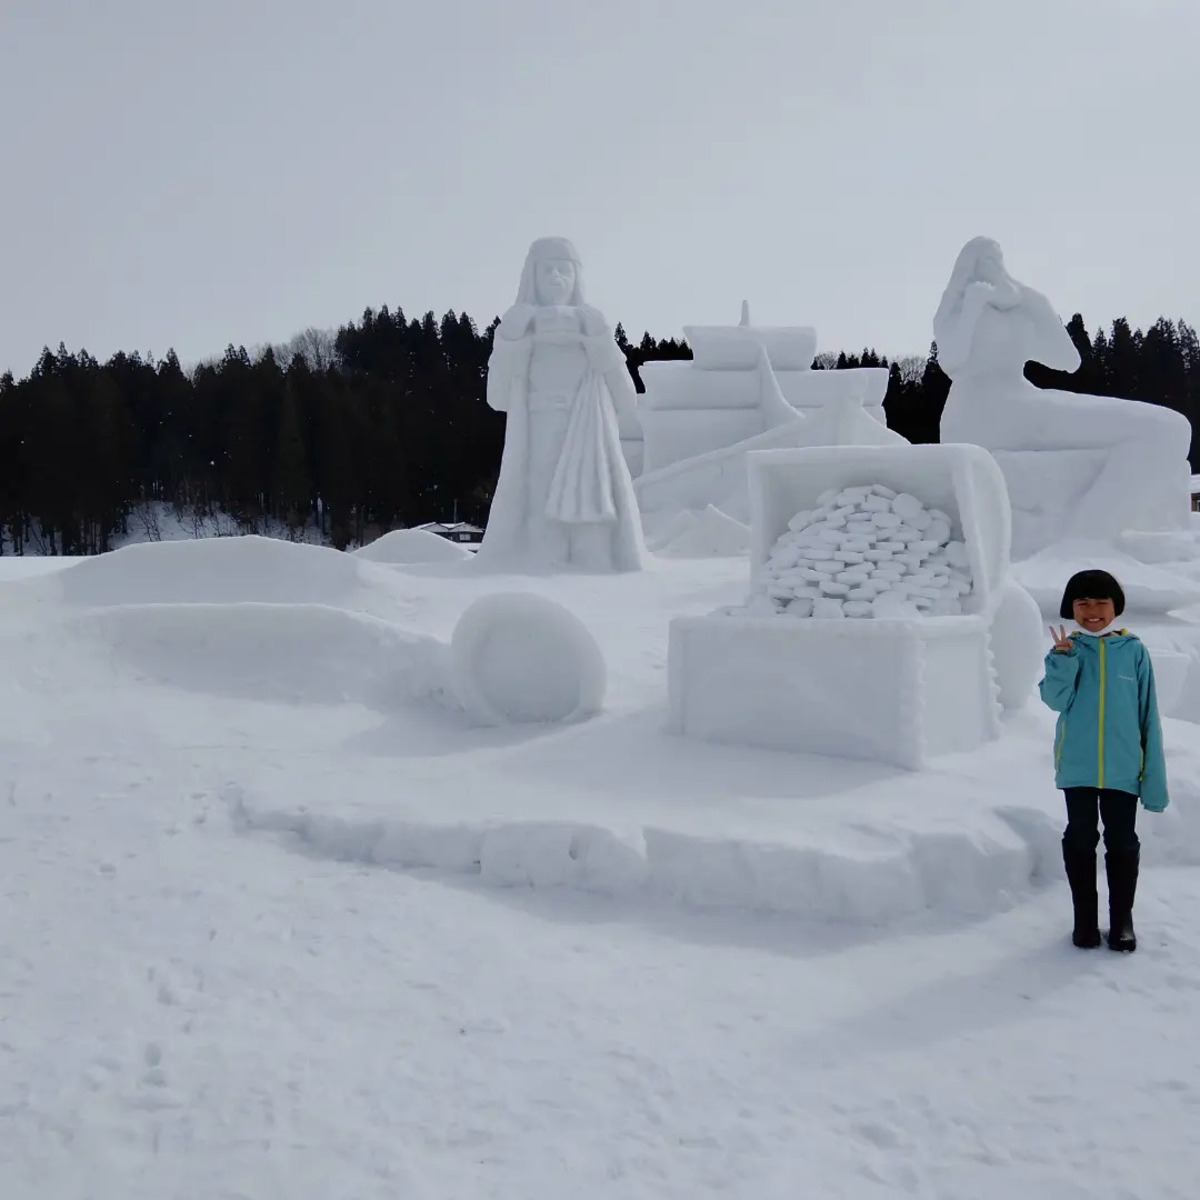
(192, 1013)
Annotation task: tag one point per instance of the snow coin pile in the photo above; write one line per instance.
(866, 552)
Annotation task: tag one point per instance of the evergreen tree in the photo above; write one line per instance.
(289, 465)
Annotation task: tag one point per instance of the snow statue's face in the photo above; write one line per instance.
(989, 268)
(555, 279)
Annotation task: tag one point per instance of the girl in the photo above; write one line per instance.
(1108, 750)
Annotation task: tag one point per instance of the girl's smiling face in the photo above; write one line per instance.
(1094, 615)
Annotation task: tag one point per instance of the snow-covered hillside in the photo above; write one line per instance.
(278, 921)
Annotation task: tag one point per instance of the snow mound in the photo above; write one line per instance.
(868, 552)
(403, 546)
(288, 653)
(517, 658)
(235, 570)
(708, 534)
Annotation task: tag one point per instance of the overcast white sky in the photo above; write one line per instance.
(191, 173)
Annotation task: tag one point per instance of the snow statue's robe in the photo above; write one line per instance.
(564, 497)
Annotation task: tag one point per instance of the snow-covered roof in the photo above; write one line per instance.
(1196, 485)
(451, 527)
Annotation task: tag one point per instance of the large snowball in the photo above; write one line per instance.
(522, 659)
(1019, 644)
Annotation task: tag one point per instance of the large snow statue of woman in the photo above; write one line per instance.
(1121, 465)
(565, 497)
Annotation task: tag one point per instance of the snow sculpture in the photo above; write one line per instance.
(721, 347)
(707, 534)
(867, 551)
(908, 683)
(564, 497)
(747, 388)
(1077, 466)
(522, 659)
(742, 381)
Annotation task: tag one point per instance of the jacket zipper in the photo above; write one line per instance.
(1103, 688)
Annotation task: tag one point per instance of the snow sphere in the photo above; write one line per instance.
(522, 659)
(1018, 645)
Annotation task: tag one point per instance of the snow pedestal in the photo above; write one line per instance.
(1046, 487)
(894, 691)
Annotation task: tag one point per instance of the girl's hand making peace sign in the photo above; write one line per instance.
(1062, 643)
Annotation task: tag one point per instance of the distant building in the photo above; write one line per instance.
(1196, 493)
(457, 531)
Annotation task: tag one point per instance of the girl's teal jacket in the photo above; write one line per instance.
(1109, 734)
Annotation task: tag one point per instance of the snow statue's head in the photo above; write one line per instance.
(552, 275)
(980, 265)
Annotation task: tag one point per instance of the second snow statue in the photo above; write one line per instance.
(1077, 466)
(565, 497)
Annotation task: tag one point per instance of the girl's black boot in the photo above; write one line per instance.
(1081, 875)
(1122, 868)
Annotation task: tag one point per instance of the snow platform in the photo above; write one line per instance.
(885, 691)
(304, 691)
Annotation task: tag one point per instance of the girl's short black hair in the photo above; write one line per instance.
(1091, 585)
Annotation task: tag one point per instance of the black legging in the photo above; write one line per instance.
(1086, 806)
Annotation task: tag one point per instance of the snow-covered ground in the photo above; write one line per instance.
(279, 923)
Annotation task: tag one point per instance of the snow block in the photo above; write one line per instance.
(218, 570)
(897, 692)
(274, 653)
(728, 347)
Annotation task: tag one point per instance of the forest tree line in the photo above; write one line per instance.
(379, 425)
